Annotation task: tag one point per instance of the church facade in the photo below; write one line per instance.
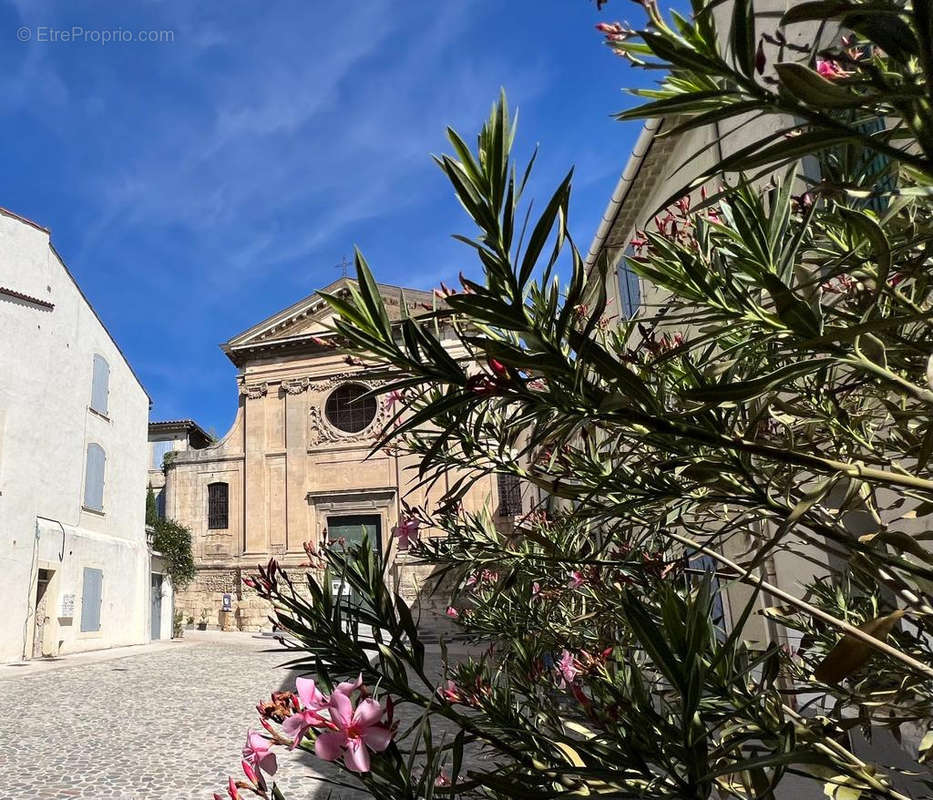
(296, 465)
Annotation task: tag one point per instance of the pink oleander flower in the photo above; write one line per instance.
(355, 732)
(450, 692)
(254, 776)
(232, 790)
(498, 368)
(615, 32)
(576, 579)
(452, 612)
(312, 703)
(442, 779)
(760, 58)
(349, 687)
(830, 69)
(535, 589)
(407, 532)
(258, 753)
(567, 667)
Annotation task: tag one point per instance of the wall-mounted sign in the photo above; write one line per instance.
(68, 605)
(227, 603)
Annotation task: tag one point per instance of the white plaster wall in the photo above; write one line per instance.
(46, 364)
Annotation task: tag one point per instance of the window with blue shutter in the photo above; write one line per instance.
(629, 287)
(91, 597)
(100, 385)
(159, 449)
(94, 477)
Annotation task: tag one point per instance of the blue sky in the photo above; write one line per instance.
(196, 186)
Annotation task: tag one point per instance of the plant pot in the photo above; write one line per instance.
(202, 626)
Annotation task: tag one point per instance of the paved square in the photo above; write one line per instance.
(163, 724)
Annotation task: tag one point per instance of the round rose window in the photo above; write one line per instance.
(347, 409)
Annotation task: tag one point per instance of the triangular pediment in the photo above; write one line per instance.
(311, 316)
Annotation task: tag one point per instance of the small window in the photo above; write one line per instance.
(94, 477)
(159, 449)
(510, 495)
(100, 385)
(160, 503)
(217, 506)
(704, 563)
(348, 410)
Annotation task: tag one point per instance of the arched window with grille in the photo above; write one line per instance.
(217, 506)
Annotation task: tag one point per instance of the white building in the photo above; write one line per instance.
(73, 459)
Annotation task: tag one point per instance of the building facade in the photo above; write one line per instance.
(661, 163)
(73, 421)
(166, 438)
(295, 466)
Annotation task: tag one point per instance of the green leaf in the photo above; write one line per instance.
(747, 390)
(850, 653)
(811, 87)
(819, 10)
(543, 229)
(873, 232)
(742, 35)
(799, 316)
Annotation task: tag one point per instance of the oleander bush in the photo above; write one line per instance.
(777, 405)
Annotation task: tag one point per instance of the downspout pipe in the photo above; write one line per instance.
(623, 187)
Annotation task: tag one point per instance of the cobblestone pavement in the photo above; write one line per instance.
(166, 724)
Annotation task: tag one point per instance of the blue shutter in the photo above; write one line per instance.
(91, 597)
(94, 477)
(100, 388)
(159, 449)
(629, 287)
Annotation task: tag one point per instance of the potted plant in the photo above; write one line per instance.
(189, 623)
(178, 628)
(202, 624)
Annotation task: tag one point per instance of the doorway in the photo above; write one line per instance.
(155, 594)
(42, 613)
(351, 528)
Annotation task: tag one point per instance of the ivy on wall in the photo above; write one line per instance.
(173, 541)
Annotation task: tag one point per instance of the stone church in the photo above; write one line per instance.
(294, 466)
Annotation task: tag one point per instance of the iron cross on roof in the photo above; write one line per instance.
(344, 265)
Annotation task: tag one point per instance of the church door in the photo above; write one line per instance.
(351, 529)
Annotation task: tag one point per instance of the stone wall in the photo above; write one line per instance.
(251, 612)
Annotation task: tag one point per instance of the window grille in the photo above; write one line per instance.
(217, 506)
(510, 496)
(348, 410)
